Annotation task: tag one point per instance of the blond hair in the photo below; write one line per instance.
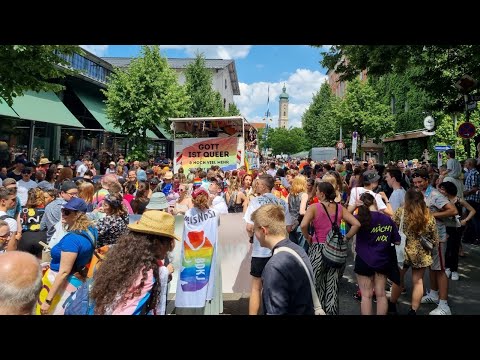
(82, 223)
(272, 217)
(299, 185)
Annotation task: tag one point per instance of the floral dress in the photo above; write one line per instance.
(110, 228)
(415, 255)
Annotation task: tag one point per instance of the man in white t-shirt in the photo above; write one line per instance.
(84, 167)
(370, 183)
(260, 255)
(25, 184)
(394, 178)
(8, 200)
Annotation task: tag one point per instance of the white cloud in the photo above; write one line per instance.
(301, 86)
(98, 50)
(213, 51)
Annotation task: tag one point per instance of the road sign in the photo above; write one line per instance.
(471, 105)
(340, 145)
(442, 147)
(466, 130)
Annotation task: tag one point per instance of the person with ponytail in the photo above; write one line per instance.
(374, 261)
(326, 278)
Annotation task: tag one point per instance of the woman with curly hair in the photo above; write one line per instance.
(114, 223)
(417, 222)
(69, 259)
(132, 277)
(199, 287)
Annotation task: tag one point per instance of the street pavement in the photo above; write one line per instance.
(464, 294)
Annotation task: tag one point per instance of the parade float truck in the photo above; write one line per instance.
(202, 142)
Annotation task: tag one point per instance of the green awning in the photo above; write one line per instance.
(6, 110)
(44, 107)
(98, 110)
(164, 132)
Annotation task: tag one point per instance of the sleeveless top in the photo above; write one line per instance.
(322, 225)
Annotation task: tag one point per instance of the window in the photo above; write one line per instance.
(284, 113)
(224, 103)
(225, 83)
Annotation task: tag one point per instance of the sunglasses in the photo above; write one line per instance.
(67, 212)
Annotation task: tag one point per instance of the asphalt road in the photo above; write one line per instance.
(464, 294)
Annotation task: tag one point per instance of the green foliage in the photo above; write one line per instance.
(318, 122)
(144, 95)
(32, 67)
(439, 67)
(205, 101)
(362, 111)
(233, 110)
(286, 141)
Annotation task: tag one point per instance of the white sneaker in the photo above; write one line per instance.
(441, 311)
(455, 276)
(428, 299)
(448, 272)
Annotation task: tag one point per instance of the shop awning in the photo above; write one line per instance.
(44, 107)
(6, 110)
(164, 132)
(98, 110)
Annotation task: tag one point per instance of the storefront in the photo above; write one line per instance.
(32, 125)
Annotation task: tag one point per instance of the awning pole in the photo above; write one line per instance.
(30, 140)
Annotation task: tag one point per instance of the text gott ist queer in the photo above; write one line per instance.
(213, 153)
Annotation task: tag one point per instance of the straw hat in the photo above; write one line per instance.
(156, 223)
(168, 175)
(44, 161)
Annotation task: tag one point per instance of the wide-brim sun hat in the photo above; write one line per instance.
(158, 201)
(156, 223)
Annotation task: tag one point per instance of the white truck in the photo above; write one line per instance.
(202, 142)
(322, 153)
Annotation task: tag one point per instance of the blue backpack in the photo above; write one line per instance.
(81, 304)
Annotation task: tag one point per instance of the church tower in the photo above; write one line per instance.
(283, 109)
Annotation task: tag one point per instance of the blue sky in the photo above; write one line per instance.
(259, 67)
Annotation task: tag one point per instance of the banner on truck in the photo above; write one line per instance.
(206, 152)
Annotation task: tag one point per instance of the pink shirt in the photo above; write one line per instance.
(322, 224)
(129, 307)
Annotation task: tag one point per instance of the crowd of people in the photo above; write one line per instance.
(127, 213)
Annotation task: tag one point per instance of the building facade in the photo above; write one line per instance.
(224, 74)
(69, 123)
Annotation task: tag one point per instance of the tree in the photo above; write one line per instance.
(233, 110)
(439, 67)
(204, 100)
(32, 67)
(320, 127)
(144, 95)
(286, 141)
(362, 111)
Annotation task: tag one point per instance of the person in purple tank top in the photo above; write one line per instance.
(374, 261)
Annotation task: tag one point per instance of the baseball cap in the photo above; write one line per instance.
(76, 204)
(149, 171)
(370, 176)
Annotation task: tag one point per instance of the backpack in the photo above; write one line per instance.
(334, 251)
(81, 304)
